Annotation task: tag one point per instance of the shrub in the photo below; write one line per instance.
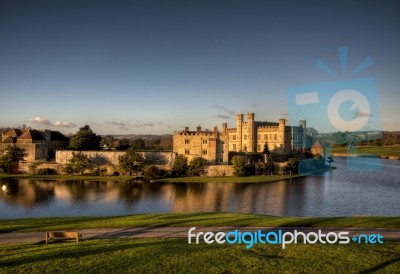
(238, 166)
(47, 171)
(196, 167)
(180, 166)
(151, 173)
(115, 173)
(68, 169)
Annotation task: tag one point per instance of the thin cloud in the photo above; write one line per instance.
(147, 124)
(223, 116)
(225, 109)
(120, 125)
(64, 124)
(39, 121)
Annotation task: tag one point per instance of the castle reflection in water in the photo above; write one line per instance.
(343, 193)
(30, 196)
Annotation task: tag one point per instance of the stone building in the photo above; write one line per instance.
(318, 148)
(38, 144)
(247, 136)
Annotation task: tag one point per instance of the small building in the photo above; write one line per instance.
(318, 148)
(38, 144)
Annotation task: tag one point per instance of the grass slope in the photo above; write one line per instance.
(177, 256)
(192, 219)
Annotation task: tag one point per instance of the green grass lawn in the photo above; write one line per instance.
(225, 179)
(192, 219)
(177, 256)
(380, 151)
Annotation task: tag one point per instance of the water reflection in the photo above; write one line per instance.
(341, 194)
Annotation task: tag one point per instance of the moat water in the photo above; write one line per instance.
(338, 193)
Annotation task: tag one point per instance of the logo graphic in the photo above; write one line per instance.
(347, 108)
(279, 237)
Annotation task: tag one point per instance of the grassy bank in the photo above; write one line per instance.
(374, 150)
(192, 219)
(247, 179)
(225, 179)
(177, 256)
(250, 179)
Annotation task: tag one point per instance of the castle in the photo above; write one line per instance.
(248, 136)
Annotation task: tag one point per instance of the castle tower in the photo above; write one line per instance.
(282, 131)
(251, 132)
(224, 127)
(239, 131)
(302, 124)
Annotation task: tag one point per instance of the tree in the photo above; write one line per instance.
(196, 167)
(151, 173)
(180, 166)
(107, 140)
(293, 165)
(239, 166)
(138, 144)
(266, 149)
(123, 144)
(131, 162)
(260, 167)
(78, 163)
(12, 156)
(85, 139)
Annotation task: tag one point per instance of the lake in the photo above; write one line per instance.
(337, 193)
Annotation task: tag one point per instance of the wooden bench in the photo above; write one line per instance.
(63, 235)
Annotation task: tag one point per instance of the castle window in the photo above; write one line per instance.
(258, 137)
(265, 137)
(245, 137)
(245, 148)
(204, 151)
(187, 151)
(258, 148)
(186, 141)
(220, 160)
(234, 137)
(234, 147)
(204, 141)
(275, 137)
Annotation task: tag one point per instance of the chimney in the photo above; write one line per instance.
(198, 129)
(186, 128)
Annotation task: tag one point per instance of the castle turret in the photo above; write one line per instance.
(302, 124)
(239, 125)
(224, 127)
(251, 132)
(282, 131)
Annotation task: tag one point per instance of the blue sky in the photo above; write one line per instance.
(152, 67)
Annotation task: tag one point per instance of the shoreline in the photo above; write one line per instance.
(203, 179)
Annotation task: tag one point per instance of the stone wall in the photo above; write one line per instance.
(219, 170)
(107, 157)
